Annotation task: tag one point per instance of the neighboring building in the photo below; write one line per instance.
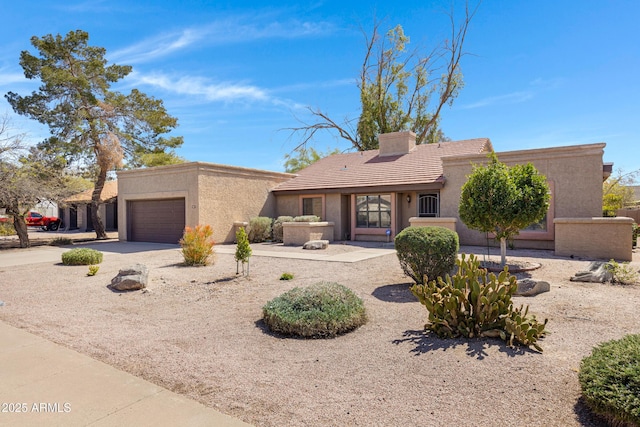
(75, 211)
(369, 195)
(155, 204)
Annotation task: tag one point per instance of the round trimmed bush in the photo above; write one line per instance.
(425, 253)
(322, 310)
(610, 381)
(82, 256)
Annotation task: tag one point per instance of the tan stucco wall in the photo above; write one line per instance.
(216, 195)
(298, 233)
(602, 238)
(449, 223)
(287, 205)
(575, 171)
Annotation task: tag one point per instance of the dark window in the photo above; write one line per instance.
(373, 211)
(429, 205)
(312, 206)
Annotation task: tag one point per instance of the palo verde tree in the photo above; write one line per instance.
(617, 192)
(503, 200)
(89, 123)
(306, 156)
(400, 89)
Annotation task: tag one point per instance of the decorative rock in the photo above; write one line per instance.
(530, 287)
(131, 279)
(1, 303)
(596, 273)
(316, 244)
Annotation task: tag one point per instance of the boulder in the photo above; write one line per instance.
(596, 273)
(530, 287)
(131, 279)
(316, 244)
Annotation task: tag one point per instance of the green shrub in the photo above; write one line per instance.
(306, 218)
(610, 380)
(286, 276)
(82, 256)
(622, 273)
(278, 228)
(7, 229)
(197, 245)
(260, 229)
(93, 269)
(61, 241)
(318, 311)
(426, 252)
(474, 303)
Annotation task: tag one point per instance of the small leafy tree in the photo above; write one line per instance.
(503, 200)
(243, 250)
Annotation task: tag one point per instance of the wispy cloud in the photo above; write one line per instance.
(199, 86)
(510, 98)
(236, 29)
(7, 78)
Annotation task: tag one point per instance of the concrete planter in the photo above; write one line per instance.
(298, 233)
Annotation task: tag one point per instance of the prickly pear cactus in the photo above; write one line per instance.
(474, 303)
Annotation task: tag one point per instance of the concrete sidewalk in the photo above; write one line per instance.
(315, 255)
(46, 384)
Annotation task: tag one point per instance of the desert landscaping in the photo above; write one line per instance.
(198, 331)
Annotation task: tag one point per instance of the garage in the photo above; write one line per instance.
(157, 221)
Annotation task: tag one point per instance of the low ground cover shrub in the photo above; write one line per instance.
(475, 303)
(306, 218)
(322, 310)
(622, 273)
(426, 252)
(260, 229)
(197, 245)
(93, 270)
(286, 276)
(82, 256)
(61, 241)
(610, 381)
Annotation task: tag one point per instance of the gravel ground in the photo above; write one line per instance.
(197, 331)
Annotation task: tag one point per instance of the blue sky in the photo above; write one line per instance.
(235, 74)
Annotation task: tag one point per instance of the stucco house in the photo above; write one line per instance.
(75, 211)
(369, 195)
(372, 195)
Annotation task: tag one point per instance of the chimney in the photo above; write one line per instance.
(396, 143)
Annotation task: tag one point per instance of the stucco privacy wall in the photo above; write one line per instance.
(604, 238)
(575, 173)
(216, 195)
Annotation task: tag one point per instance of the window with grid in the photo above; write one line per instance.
(373, 211)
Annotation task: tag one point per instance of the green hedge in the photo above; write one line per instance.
(610, 380)
(425, 253)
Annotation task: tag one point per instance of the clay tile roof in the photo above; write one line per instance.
(109, 191)
(422, 165)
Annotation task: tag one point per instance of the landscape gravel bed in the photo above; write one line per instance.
(198, 331)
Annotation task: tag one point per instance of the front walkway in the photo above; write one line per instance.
(46, 384)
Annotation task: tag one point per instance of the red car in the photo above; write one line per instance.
(48, 223)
